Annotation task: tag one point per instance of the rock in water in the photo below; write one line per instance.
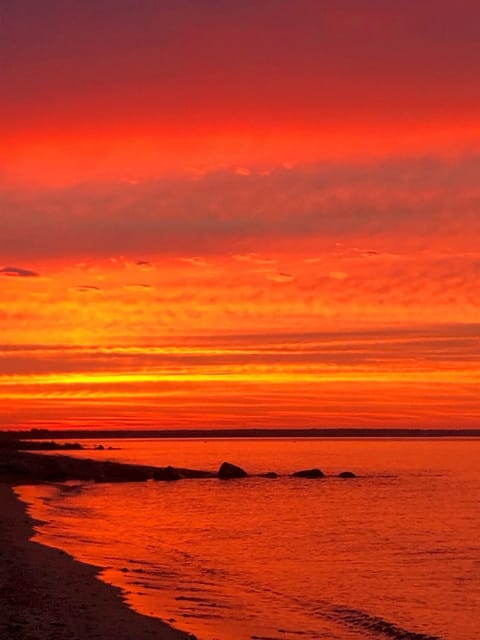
(309, 473)
(228, 470)
(269, 474)
(347, 474)
(168, 473)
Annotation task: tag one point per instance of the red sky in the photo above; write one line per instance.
(217, 213)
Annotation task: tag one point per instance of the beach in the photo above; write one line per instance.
(47, 595)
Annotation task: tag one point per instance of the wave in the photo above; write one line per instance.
(357, 618)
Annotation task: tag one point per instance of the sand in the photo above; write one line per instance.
(47, 595)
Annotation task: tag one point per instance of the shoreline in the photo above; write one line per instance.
(45, 594)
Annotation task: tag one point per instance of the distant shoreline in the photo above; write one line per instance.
(65, 434)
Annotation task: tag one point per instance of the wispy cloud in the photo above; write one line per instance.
(144, 265)
(18, 272)
(140, 285)
(426, 376)
(253, 258)
(280, 277)
(195, 261)
(374, 206)
(86, 288)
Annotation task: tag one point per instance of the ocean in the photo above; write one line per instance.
(391, 554)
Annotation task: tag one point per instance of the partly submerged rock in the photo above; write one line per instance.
(346, 474)
(118, 472)
(308, 473)
(269, 474)
(168, 473)
(228, 470)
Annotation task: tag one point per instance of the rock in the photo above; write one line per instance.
(169, 473)
(269, 474)
(347, 474)
(228, 470)
(309, 473)
(118, 472)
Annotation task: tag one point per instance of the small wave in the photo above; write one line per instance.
(200, 616)
(189, 599)
(357, 618)
(201, 602)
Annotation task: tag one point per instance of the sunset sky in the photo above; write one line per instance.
(217, 213)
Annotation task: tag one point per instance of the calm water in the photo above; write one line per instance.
(390, 554)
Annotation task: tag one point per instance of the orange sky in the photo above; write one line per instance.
(226, 214)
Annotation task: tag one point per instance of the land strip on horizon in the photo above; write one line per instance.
(40, 434)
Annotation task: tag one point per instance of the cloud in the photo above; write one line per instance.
(195, 261)
(253, 258)
(396, 351)
(357, 204)
(139, 285)
(280, 277)
(18, 272)
(85, 288)
(145, 265)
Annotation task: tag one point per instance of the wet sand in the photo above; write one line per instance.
(47, 595)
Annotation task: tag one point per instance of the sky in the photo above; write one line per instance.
(217, 213)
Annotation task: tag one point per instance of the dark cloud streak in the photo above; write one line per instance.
(223, 212)
(18, 272)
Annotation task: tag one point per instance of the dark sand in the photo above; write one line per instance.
(47, 595)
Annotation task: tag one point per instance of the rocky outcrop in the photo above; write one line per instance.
(38, 445)
(29, 468)
(309, 473)
(228, 471)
